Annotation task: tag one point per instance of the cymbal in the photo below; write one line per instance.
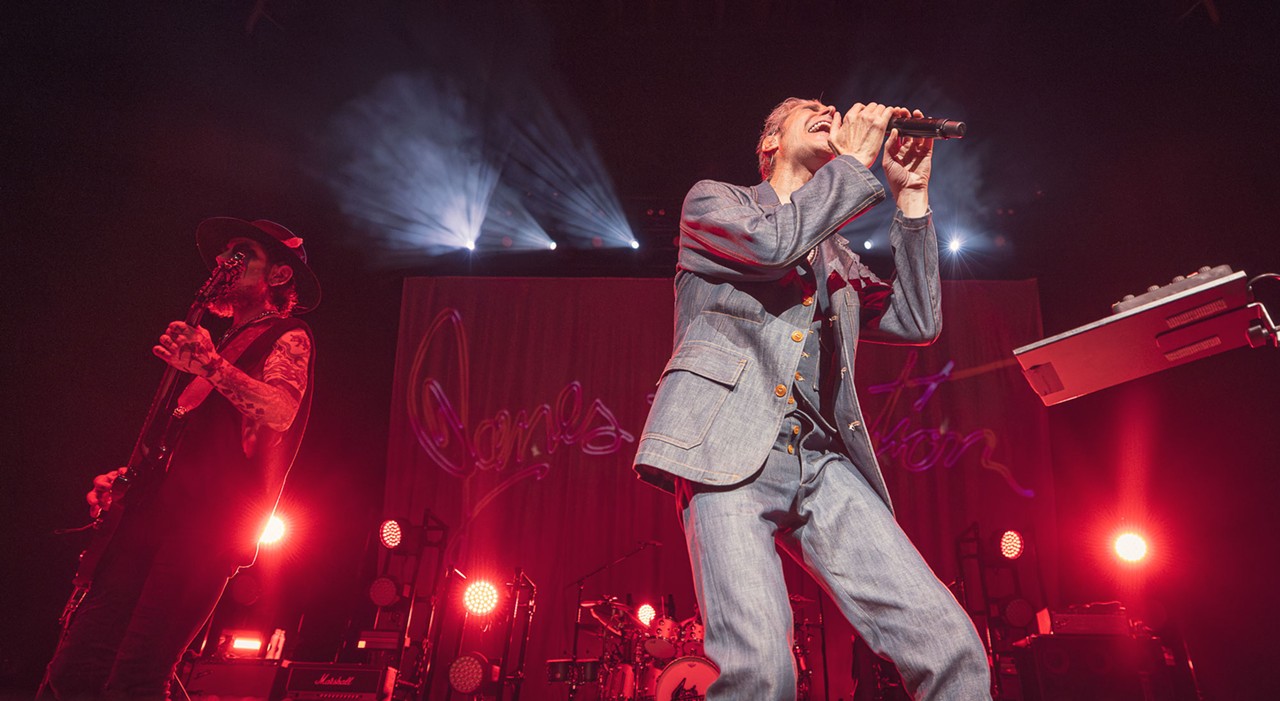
(608, 601)
(618, 623)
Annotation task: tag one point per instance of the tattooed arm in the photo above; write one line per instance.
(271, 401)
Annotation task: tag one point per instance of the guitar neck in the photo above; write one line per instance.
(160, 413)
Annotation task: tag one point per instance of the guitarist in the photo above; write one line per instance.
(196, 518)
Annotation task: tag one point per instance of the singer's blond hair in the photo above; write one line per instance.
(772, 125)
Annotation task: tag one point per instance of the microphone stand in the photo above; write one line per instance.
(577, 622)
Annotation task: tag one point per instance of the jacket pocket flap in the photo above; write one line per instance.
(712, 362)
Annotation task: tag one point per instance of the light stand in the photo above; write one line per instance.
(521, 584)
(432, 533)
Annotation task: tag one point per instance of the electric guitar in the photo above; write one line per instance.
(151, 453)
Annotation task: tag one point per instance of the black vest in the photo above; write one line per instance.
(215, 494)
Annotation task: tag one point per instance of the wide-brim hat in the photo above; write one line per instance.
(213, 234)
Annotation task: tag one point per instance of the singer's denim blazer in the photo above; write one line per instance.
(739, 322)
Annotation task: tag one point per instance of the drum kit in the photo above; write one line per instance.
(663, 660)
(660, 661)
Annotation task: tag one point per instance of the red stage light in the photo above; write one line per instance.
(273, 532)
(239, 643)
(1130, 547)
(390, 534)
(384, 592)
(1012, 545)
(246, 644)
(646, 613)
(470, 673)
(480, 598)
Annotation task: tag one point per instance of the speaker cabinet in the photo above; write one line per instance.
(233, 680)
(1094, 668)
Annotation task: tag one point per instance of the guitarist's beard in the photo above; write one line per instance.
(220, 308)
(224, 304)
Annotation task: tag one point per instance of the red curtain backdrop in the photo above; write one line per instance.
(516, 409)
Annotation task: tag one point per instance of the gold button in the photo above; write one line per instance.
(797, 336)
(791, 449)
(780, 390)
(791, 400)
(799, 378)
(795, 430)
(807, 301)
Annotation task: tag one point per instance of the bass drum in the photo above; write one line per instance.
(685, 678)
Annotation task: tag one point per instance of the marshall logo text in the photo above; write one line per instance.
(330, 680)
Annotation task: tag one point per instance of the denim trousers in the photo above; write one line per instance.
(817, 507)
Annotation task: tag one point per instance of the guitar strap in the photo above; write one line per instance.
(198, 390)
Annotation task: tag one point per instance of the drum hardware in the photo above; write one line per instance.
(681, 679)
(692, 634)
(585, 671)
(876, 678)
(618, 631)
(663, 638)
(800, 651)
(803, 630)
(663, 661)
(613, 617)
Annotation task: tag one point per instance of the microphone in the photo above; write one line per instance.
(928, 127)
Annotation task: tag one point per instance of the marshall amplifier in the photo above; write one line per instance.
(1083, 621)
(217, 679)
(323, 681)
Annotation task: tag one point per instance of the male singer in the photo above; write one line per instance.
(756, 426)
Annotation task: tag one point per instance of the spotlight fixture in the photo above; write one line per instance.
(1018, 612)
(480, 598)
(473, 674)
(403, 538)
(954, 245)
(391, 534)
(273, 531)
(1131, 547)
(635, 244)
(384, 592)
(645, 613)
(247, 645)
(239, 644)
(1011, 545)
